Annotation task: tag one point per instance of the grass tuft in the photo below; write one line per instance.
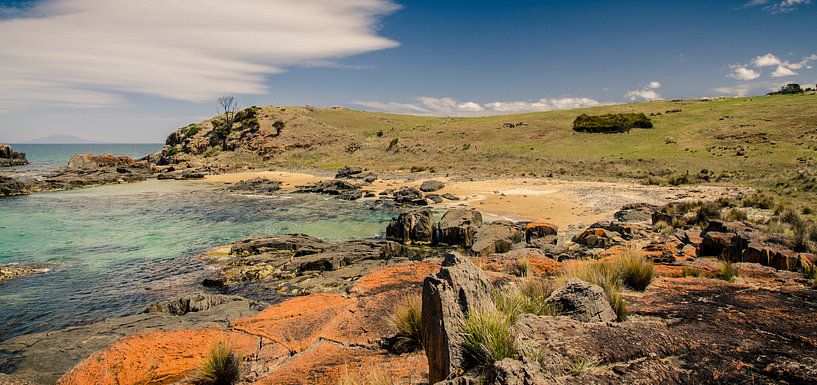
(635, 270)
(487, 337)
(582, 365)
(222, 366)
(728, 271)
(529, 300)
(375, 376)
(604, 275)
(690, 271)
(407, 318)
(519, 268)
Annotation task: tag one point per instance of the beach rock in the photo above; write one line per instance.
(458, 227)
(192, 303)
(348, 172)
(409, 195)
(165, 176)
(257, 186)
(431, 186)
(495, 238)
(350, 195)
(448, 296)
(187, 174)
(582, 301)
(450, 197)
(11, 272)
(13, 186)
(9, 157)
(412, 227)
(90, 161)
(331, 187)
(434, 198)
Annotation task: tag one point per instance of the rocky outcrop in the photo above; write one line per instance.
(9, 157)
(92, 162)
(13, 186)
(409, 195)
(431, 186)
(519, 372)
(597, 237)
(11, 272)
(582, 301)
(448, 296)
(348, 172)
(330, 187)
(495, 238)
(413, 227)
(636, 213)
(257, 186)
(191, 304)
(458, 227)
(541, 234)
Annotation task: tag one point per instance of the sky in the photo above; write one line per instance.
(123, 71)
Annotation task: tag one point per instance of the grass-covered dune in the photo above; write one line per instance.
(767, 142)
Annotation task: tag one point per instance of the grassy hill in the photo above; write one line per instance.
(768, 142)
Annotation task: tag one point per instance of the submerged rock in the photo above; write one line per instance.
(191, 304)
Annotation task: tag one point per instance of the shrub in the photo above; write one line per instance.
(690, 271)
(788, 89)
(810, 272)
(728, 271)
(379, 133)
(735, 214)
(222, 366)
(172, 151)
(392, 144)
(635, 270)
(513, 302)
(605, 276)
(758, 200)
(679, 179)
(611, 123)
(582, 365)
(707, 211)
(663, 227)
(375, 376)
(802, 237)
(407, 319)
(519, 267)
(791, 216)
(192, 130)
(278, 125)
(487, 337)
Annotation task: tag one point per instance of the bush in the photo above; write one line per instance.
(707, 211)
(222, 367)
(392, 144)
(611, 123)
(788, 89)
(172, 151)
(810, 272)
(635, 270)
(519, 267)
(192, 130)
(802, 239)
(759, 200)
(487, 337)
(606, 277)
(581, 365)
(690, 271)
(278, 125)
(728, 271)
(735, 214)
(407, 319)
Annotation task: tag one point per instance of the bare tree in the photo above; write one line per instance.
(228, 107)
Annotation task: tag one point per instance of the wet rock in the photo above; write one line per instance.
(495, 238)
(331, 187)
(458, 227)
(13, 186)
(431, 186)
(348, 172)
(11, 272)
(187, 174)
(192, 303)
(350, 195)
(257, 186)
(9, 157)
(412, 227)
(434, 198)
(448, 296)
(409, 195)
(582, 301)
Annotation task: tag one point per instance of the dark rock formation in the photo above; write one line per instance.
(458, 227)
(598, 237)
(92, 162)
(448, 296)
(9, 157)
(257, 186)
(431, 186)
(582, 301)
(416, 226)
(13, 186)
(331, 187)
(541, 234)
(192, 303)
(495, 238)
(635, 213)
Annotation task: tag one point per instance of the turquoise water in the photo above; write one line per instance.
(45, 156)
(111, 250)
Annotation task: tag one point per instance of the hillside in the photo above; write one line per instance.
(767, 142)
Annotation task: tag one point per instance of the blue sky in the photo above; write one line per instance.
(124, 71)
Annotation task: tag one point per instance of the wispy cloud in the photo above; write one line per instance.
(93, 52)
(451, 107)
(777, 6)
(648, 92)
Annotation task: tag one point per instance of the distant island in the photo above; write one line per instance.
(61, 139)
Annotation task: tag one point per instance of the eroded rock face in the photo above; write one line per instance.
(582, 301)
(448, 296)
(9, 157)
(257, 186)
(13, 186)
(519, 372)
(458, 227)
(191, 304)
(90, 161)
(413, 227)
(598, 237)
(495, 238)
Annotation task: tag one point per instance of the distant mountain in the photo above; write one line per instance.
(60, 139)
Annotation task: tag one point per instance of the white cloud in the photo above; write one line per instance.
(785, 6)
(645, 93)
(743, 73)
(91, 52)
(742, 90)
(767, 60)
(782, 71)
(451, 107)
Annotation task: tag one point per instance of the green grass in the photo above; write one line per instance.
(530, 299)
(407, 318)
(221, 366)
(487, 337)
(519, 267)
(727, 271)
(606, 276)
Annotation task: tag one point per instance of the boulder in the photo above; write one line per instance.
(519, 372)
(348, 172)
(495, 238)
(635, 213)
(190, 304)
(12, 186)
(457, 288)
(434, 198)
(412, 227)
(9, 157)
(535, 230)
(257, 185)
(458, 226)
(408, 195)
(582, 301)
(714, 243)
(350, 195)
(331, 187)
(450, 197)
(598, 237)
(90, 161)
(431, 186)
(187, 174)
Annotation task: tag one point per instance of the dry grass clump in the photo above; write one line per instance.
(758, 200)
(376, 376)
(728, 271)
(407, 318)
(582, 365)
(690, 271)
(487, 337)
(519, 267)
(530, 298)
(735, 214)
(635, 270)
(221, 367)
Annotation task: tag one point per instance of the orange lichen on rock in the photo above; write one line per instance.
(155, 358)
(398, 276)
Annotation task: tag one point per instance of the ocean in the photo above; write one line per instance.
(45, 156)
(112, 250)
